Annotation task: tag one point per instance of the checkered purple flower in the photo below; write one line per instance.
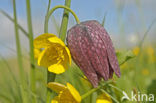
(92, 50)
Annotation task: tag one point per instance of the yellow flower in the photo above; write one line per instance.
(54, 54)
(136, 50)
(67, 94)
(150, 52)
(145, 72)
(123, 66)
(103, 98)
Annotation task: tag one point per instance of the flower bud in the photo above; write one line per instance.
(92, 50)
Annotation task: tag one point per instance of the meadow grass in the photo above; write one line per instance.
(138, 75)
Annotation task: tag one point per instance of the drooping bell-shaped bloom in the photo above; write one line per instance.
(92, 50)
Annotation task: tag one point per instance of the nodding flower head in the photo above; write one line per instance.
(92, 50)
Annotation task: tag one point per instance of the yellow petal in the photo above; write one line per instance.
(56, 40)
(66, 61)
(102, 101)
(42, 40)
(145, 72)
(103, 98)
(136, 50)
(150, 51)
(74, 92)
(57, 87)
(66, 97)
(48, 57)
(59, 41)
(36, 53)
(68, 54)
(55, 100)
(56, 68)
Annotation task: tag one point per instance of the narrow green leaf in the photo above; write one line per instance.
(104, 19)
(146, 33)
(9, 68)
(55, 24)
(115, 88)
(94, 90)
(116, 101)
(31, 47)
(124, 56)
(19, 55)
(11, 19)
(5, 97)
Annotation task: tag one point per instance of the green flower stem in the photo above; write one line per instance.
(19, 57)
(94, 90)
(50, 76)
(64, 24)
(53, 9)
(116, 101)
(30, 31)
(90, 92)
(115, 88)
(48, 6)
(46, 18)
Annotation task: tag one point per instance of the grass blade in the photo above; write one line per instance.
(11, 49)
(19, 56)
(104, 19)
(32, 61)
(5, 97)
(11, 19)
(56, 24)
(9, 69)
(116, 101)
(146, 33)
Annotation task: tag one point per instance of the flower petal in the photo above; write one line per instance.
(66, 97)
(62, 66)
(103, 98)
(74, 92)
(56, 40)
(136, 50)
(57, 87)
(42, 40)
(60, 42)
(55, 100)
(36, 53)
(56, 68)
(68, 54)
(48, 57)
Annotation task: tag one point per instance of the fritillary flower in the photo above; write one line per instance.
(92, 50)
